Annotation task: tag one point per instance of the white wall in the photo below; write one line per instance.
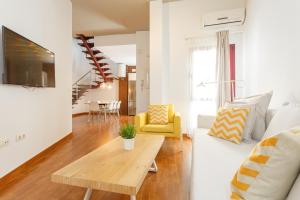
(80, 65)
(105, 94)
(272, 49)
(44, 115)
(184, 21)
(142, 71)
(125, 54)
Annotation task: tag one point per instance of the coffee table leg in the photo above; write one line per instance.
(88, 194)
(153, 168)
(132, 197)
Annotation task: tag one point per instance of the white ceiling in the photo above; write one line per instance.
(120, 54)
(106, 17)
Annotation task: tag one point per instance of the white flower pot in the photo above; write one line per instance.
(128, 144)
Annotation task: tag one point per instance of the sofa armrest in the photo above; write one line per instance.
(205, 121)
(140, 120)
(177, 124)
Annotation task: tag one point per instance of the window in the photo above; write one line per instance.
(203, 88)
(203, 72)
(203, 80)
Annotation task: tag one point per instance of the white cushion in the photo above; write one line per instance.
(261, 103)
(269, 116)
(295, 191)
(286, 118)
(214, 162)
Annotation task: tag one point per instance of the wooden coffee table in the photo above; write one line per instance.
(110, 168)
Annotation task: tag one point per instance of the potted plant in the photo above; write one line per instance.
(127, 132)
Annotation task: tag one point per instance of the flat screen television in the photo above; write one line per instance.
(25, 62)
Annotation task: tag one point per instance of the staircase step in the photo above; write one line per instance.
(98, 82)
(97, 58)
(105, 69)
(94, 64)
(103, 64)
(95, 86)
(84, 86)
(95, 52)
(81, 36)
(80, 91)
(79, 88)
(90, 45)
(109, 79)
(100, 64)
(99, 74)
(95, 68)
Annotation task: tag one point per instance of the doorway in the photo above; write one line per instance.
(127, 92)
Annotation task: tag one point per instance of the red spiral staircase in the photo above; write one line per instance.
(100, 67)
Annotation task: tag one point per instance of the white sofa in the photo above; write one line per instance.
(215, 161)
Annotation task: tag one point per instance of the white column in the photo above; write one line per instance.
(156, 52)
(142, 71)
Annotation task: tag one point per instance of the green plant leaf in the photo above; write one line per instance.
(127, 131)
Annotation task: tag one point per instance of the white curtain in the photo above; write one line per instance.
(202, 69)
(223, 68)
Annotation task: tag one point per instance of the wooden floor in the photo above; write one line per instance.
(171, 182)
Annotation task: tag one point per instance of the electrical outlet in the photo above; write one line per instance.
(3, 142)
(20, 137)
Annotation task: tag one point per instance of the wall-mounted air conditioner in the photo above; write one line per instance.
(226, 18)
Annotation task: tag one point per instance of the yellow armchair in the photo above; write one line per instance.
(172, 129)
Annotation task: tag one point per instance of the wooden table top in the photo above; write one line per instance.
(111, 168)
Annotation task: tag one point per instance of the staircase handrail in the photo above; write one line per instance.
(82, 77)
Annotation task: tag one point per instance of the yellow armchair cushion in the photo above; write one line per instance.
(158, 114)
(171, 112)
(163, 128)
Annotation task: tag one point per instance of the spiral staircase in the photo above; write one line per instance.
(98, 75)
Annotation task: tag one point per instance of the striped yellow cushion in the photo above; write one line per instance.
(270, 170)
(158, 114)
(230, 124)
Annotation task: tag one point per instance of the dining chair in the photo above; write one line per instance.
(118, 108)
(94, 109)
(115, 107)
(111, 107)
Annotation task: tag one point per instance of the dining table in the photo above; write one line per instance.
(103, 107)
